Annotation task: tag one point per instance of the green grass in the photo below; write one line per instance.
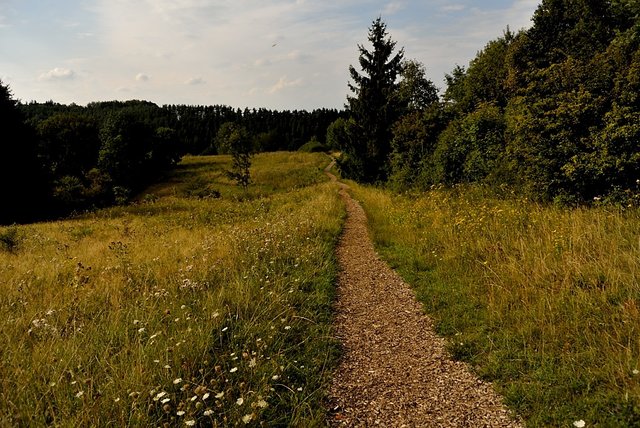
(198, 304)
(543, 301)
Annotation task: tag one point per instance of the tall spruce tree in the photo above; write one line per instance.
(374, 108)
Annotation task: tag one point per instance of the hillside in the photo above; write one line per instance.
(197, 304)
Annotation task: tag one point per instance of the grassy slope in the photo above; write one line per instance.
(179, 308)
(543, 301)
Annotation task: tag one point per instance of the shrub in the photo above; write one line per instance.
(10, 239)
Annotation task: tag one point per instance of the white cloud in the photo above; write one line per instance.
(453, 8)
(283, 83)
(195, 81)
(393, 7)
(58, 73)
(230, 43)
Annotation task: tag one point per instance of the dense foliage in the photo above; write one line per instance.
(62, 158)
(19, 169)
(552, 111)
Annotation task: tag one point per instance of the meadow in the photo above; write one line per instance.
(198, 304)
(541, 300)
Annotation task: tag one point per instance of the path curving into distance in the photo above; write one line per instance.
(395, 371)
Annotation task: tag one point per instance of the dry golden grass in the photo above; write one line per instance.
(543, 301)
(180, 309)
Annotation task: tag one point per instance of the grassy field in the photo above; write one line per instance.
(541, 300)
(197, 305)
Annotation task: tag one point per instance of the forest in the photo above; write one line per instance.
(551, 112)
(76, 158)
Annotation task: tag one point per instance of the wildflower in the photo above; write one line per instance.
(288, 327)
(194, 398)
(579, 424)
(247, 418)
(177, 381)
(220, 395)
(240, 401)
(52, 384)
(205, 396)
(79, 394)
(299, 389)
(166, 400)
(159, 395)
(233, 370)
(252, 362)
(167, 366)
(262, 404)
(141, 330)
(208, 412)
(635, 371)
(225, 329)
(116, 400)
(190, 422)
(180, 413)
(275, 377)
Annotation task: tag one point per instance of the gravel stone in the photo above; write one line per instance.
(395, 371)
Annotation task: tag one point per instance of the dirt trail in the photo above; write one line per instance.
(395, 371)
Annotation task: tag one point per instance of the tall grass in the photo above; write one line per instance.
(541, 300)
(198, 305)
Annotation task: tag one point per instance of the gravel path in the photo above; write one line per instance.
(395, 371)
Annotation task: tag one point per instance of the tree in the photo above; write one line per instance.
(240, 146)
(374, 108)
(22, 181)
(337, 136)
(69, 144)
(415, 91)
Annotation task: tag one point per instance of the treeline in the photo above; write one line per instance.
(552, 111)
(63, 158)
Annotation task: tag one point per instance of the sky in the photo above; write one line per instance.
(276, 54)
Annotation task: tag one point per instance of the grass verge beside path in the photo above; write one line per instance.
(199, 305)
(544, 302)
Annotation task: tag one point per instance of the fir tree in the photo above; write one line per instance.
(374, 107)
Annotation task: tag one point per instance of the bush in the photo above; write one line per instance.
(10, 239)
(313, 146)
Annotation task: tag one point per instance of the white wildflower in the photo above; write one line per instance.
(579, 424)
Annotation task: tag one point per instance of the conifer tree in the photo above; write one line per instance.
(374, 107)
